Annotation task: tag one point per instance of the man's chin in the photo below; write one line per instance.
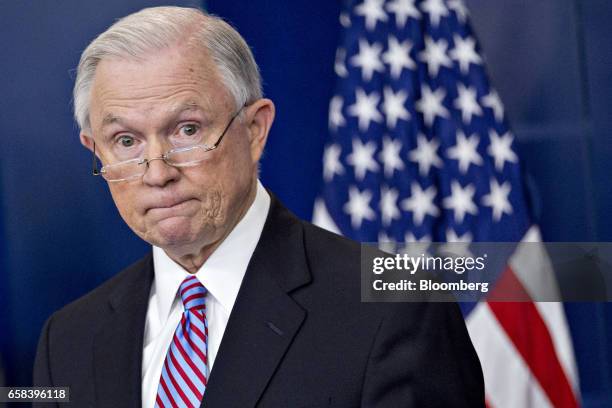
(172, 233)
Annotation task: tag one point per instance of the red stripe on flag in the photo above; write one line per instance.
(508, 289)
(524, 326)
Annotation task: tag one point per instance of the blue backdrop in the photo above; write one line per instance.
(61, 235)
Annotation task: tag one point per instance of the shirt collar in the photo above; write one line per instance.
(223, 271)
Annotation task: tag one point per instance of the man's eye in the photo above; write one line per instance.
(126, 141)
(189, 130)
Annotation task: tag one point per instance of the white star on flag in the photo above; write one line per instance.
(431, 104)
(368, 59)
(425, 239)
(339, 64)
(393, 106)
(457, 245)
(362, 158)
(425, 154)
(451, 236)
(465, 53)
(435, 56)
(398, 56)
(373, 12)
(497, 199)
(416, 246)
(365, 109)
(386, 243)
(459, 8)
(389, 156)
(345, 20)
(331, 162)
(436, 10)
(358, 206)
(465, 151)
(492, 100)
(467, 103)
(402, 10)
(388, 205)
(500, 149)
(461, 201)
(420, 203)
(336, 119)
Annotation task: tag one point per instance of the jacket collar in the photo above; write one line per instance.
(265, 318)
(118, 345)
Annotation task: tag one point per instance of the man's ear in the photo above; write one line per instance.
(260, 116)
(87, 141)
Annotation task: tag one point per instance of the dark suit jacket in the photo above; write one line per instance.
(298, 336)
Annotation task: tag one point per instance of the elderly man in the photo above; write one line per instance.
(240, 304)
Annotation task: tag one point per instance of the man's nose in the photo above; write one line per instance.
(159, 173)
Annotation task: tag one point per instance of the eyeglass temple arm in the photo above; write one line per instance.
(227, 127)
(94, 163)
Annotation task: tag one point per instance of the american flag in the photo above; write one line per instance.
(419, 150)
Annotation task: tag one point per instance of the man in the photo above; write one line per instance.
(241, 304)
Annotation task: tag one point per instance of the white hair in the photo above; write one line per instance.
(156, 28)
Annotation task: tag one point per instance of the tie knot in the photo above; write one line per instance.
(192, 293)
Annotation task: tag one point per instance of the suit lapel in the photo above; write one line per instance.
(118, 345)
(265, 318)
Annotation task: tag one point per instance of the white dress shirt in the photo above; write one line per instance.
(221, 275)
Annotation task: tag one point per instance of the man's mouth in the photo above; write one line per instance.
(170, 205)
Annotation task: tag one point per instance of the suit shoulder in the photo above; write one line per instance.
(334, 262)
(328, 243)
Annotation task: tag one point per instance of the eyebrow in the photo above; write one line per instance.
(111, 118)
(189, 106)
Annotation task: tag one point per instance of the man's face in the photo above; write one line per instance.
(148, 107)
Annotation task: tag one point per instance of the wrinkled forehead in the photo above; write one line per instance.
(164, 81)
